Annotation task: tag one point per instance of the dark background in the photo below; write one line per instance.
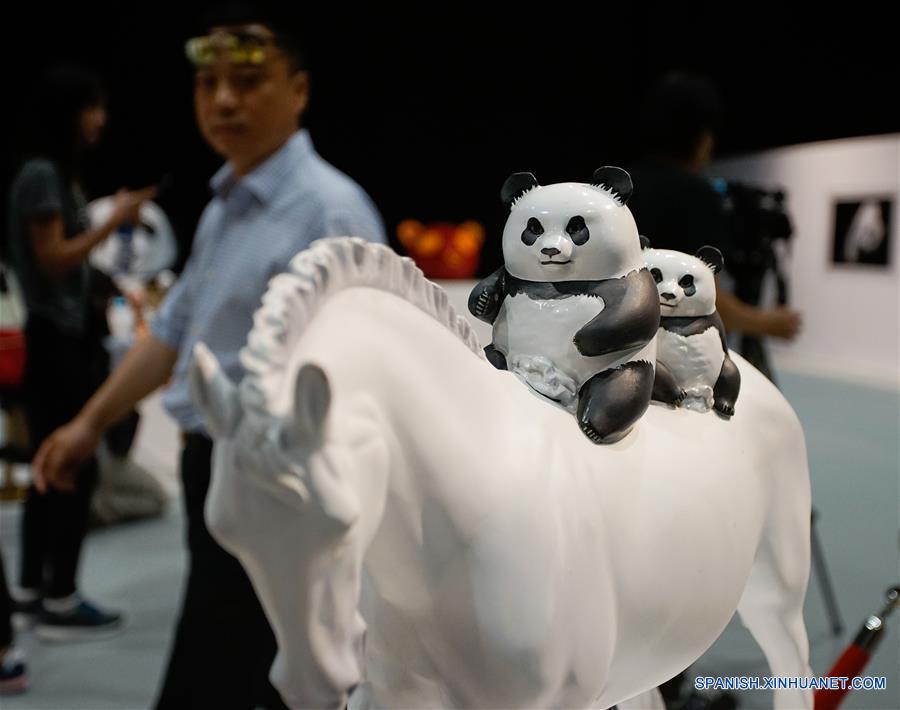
(431, 110)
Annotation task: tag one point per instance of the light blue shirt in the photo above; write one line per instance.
(247, 234)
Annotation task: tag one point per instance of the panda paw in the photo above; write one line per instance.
(590, 432)
(482, 303)
(726, 410)
(679, 398)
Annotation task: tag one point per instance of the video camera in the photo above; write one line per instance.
(757, 221)
(759, 231)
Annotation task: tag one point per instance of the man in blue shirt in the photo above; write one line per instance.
(273, 196)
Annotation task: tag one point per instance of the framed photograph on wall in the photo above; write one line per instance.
(862, 230)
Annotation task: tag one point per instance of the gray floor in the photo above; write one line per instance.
(852, 435)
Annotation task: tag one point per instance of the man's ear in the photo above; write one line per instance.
(300, 89)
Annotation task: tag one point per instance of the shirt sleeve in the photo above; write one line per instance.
(169, 324)
(39, 190)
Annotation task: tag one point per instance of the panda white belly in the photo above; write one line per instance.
(695, 361)
(536, 336)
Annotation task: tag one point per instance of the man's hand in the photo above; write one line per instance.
(62, 454)
(782, 322)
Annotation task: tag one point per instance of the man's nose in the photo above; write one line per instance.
(225, 96)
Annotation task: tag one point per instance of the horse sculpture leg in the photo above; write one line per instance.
(772, 603)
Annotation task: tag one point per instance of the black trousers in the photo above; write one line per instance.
(223, 645)
(62, 371)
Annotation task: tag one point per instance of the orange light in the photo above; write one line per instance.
(429, 244)
(408, 231)
(453, 260)
(475, 229)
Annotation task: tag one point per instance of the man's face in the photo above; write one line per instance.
(91, 123)
(247, 109)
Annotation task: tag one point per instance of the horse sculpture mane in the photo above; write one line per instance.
(421, 527)
(328, 266)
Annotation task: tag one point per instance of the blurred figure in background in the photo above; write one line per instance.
(676, 207)
(49, 242)
(271, 199)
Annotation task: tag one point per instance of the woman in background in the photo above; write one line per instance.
(49, 241)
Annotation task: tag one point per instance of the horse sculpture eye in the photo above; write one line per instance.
(533, 230)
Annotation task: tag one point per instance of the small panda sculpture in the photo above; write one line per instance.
(692, 364)
(574, 308)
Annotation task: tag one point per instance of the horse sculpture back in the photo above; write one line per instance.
(421, 527)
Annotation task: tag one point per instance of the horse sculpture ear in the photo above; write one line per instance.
(214, 394)
(312, 398)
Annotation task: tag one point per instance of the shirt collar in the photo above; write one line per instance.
(265, 179)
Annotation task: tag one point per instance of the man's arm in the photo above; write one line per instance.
(147, 366)
(709, 226)
(780, 322)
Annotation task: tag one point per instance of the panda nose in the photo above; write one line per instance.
(669, 296)
(550, 251)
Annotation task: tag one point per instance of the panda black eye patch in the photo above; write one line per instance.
(687, 283)
(577, 229)
(656, 274)
(533, 230)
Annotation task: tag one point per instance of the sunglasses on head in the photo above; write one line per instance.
(239, 46)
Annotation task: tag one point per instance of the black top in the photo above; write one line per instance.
(676, 209)
(39, 189)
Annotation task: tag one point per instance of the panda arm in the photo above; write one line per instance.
(728, 385)
(720, 326)
(629, 319)
(487, 296)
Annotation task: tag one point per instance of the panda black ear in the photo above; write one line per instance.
(515, 186)
(712, 257)
(615, 179)
(645, 242)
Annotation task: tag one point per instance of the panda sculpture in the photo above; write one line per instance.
(574, 309)
(693, 368)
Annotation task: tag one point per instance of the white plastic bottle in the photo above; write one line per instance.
(121, 319)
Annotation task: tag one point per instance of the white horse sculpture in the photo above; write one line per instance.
(422, 527)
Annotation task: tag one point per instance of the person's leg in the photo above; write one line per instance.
(59, 380)
(223, 646)
(68, 512)
(34, 543)
(40, 346)
(67, 382)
